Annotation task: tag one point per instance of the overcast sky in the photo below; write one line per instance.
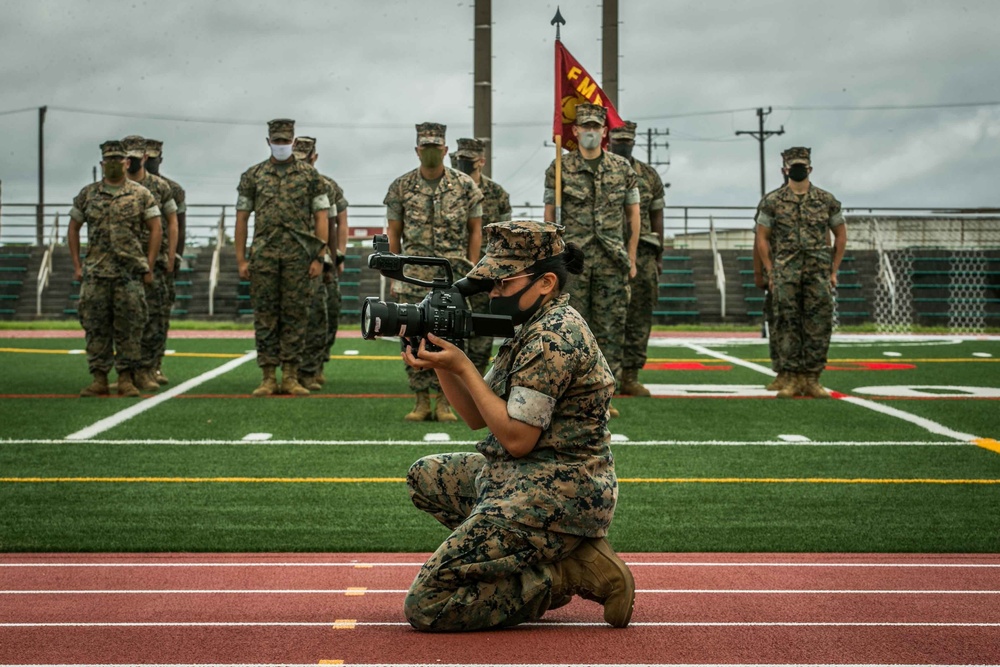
(360, 75)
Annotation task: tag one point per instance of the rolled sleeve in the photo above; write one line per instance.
(549, 197)
(764, 219)
(476, 211)
(77, 214)
(244, 203)
(632, 196)
(151, 212)
(656, 204)
(170, 207)
(321, 203)
(531, 407)
(837, 219)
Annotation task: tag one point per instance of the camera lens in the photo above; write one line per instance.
(373, 314)
(381, 318)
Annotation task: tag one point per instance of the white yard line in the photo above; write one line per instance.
(150, 403)
(926, 424)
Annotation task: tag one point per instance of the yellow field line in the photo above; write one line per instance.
(203, 355)
(400, 480)
(988, 443)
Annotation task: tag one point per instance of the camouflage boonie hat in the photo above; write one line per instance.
(135, 146)
(113, 148)
(470, 148)
(281, 128)
(591, 113)
(154, 147)
(797, 154)
(515, 245)
(624, 133)
(303, 147)
(430, 133)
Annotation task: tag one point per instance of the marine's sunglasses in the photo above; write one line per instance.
(499, 283)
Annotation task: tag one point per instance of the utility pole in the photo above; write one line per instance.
(761, 136)
(40, 217)
(651, 144)
(609, 49)
(482, 121)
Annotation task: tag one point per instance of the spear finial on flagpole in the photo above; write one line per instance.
(557, 20)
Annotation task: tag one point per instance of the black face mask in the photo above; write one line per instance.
(798, 172)
(465, 165)
(153, 165)
(510, 305)
(134, 165)
(625, 150)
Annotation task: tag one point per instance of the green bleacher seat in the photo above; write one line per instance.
(350, 297)
(242, 297)
(676, 313)
(930, 299)
(245, 311)
(14, 269)
(353, 313)
(15, 255)
(349, 284)
(850, 313)
(676, 258)
(70, 311)
(674, 299)
(677, 285)
(12, 283)
(178, 312)
(182, 283)
(677, 272)
(851, 299)
(184, 296)
(755, 313)
(10, 297)
(350, 270)
(7, 311)
(754, 299)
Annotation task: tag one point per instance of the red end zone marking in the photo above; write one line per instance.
(686, 366)
(869, 366)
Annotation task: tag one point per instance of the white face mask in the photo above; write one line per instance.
(281, 152)
(590, 140)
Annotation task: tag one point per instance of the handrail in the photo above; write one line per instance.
(717, 267)
(885, 273)
(45, 270)
(213, 276)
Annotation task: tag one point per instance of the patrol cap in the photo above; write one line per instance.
(590, 113)
(624, 133)
(281, 128)
(303, 147)
(515, 245)
(431, 133)
(797, 154)
(470, 148)
(135, 146)
(154, 147)
(113, 149)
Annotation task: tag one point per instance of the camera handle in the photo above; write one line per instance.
(391, 265)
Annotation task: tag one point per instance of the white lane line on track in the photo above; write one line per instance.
(345, 591)
(419, 564)
(470, 443)
(634, 624)
(926, 424)
(150, 403)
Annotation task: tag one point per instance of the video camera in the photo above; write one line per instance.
(442, 312)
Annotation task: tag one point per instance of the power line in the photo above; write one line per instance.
(12, 111)
(893, 107)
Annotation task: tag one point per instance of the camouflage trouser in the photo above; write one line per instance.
(769, 318)
(112, 312)
(601, 295)
(154, 333)
(803, 319)
(281, 292)
(333, 305)
(169, 299)
(316, 349)
(644, 292)
(480, 348)
(490, 572)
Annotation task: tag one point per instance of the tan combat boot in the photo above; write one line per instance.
(126, 387)
(792, 386)
(99, 387)
(321, 377)
(290, 381)
(145, 380)
(812, 388)
(310, 382)
(595, 572)
(779, 382)
(613, 412)
(422, 410)
(631, 385)
(269, 385)
(159, 376)
(442, 409)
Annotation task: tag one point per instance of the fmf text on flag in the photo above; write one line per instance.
(573, 86)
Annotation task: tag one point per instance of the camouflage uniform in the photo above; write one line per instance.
(593, 211)
(496, 208)
(435, 224)
(767, 309)
(644, 287)
(511, 517)
(112, 305)
(154, 333)
(283, 197)
(801, 267)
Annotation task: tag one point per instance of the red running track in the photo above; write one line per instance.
(265, 609)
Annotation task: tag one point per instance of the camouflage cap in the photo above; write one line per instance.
(515, 245)
(303, 147)
(281, 128)
(135, 146)
(154, 147)
(624, 133)
(590, 113)
(431, 133)
(113, 148)
(470, 148)
(797, 154)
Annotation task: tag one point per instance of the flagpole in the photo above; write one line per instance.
(558, 20)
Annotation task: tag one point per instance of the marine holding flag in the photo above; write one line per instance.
(599, 195)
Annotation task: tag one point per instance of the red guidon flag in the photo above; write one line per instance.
(573, 86)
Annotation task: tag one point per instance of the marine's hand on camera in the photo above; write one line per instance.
(450, 358)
